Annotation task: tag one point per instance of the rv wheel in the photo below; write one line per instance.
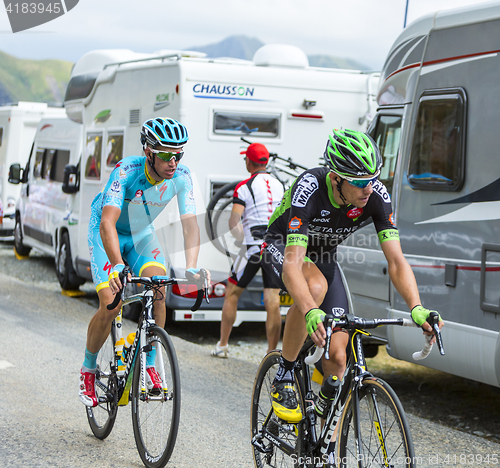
(21, 249)
(66, 274)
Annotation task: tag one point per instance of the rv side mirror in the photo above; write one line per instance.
(15, 174)
(70, 179)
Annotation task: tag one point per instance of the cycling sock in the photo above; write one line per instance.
(90, 361)
(151, 357)
(285, 372)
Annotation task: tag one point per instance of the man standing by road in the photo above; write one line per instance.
(121, 229)
(253, 203)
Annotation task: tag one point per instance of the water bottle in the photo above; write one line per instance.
(128, 343)
(119, 352)
(327, 395)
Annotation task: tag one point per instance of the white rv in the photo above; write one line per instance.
(437, 126)
(18, 125)
(276, 99)
(46, 214)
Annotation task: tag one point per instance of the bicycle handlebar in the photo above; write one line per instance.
(161, 281)
(351, 322)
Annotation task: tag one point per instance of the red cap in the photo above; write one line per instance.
(257, 153)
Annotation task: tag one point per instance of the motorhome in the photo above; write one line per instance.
(18, 125)
(276, 99)
(437, 126)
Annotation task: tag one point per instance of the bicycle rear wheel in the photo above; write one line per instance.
(262, 416)
(217, 217)
(102, 417)
(155, 418)
(384, 433)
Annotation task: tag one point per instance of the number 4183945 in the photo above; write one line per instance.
(34, 8)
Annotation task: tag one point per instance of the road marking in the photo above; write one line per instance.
(5, 365)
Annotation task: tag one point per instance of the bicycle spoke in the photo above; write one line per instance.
(262, 414)
(384, 437)
(155, 415)
(102, 417)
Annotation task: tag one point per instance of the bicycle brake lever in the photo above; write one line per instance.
(328, 322)
(433, 320)
(205, 291)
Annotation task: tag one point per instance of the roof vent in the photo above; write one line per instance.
(135, 117)
(280, 55)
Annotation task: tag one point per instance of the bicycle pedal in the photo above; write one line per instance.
(103, 399)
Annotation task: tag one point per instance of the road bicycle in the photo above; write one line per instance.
(220, 205)
(373, 430)
(121, 376)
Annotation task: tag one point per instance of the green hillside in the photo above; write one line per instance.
(33, 80)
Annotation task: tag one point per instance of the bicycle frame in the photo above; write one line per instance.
(146, 321)
(308, 444)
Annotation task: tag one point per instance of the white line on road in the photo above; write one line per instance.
(5, 365)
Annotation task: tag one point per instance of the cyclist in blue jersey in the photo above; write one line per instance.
(321, 209)
(121, 229)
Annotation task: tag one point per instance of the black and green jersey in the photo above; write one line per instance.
(309, 216)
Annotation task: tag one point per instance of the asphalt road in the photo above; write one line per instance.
(43, 424)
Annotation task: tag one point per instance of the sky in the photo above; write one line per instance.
(363, 30)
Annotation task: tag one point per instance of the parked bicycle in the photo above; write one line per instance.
(121, 375)
(373, 429)
(220, 205)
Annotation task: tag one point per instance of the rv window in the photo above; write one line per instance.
(114, 149)
(37, 170)
(387, 134)
(229, 123)
(437, 154)
(1, 135)
(80, 86)
(59, 161)
(93, 152)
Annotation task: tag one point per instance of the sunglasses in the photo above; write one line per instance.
(362, 183)
(168, 155)
(358, 182)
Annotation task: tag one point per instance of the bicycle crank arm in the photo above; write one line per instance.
(258, 443)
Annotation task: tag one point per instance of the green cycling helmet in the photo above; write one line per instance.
(352, 154)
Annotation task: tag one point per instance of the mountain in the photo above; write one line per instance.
(241, 47)
(244, 47)
(328, 61)
(33, 80)
(46, 80)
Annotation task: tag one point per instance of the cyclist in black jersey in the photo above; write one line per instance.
(322, 208)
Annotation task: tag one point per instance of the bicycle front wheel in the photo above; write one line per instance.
(102, 417)
(265, 453)
(383, 437)
(155, 413)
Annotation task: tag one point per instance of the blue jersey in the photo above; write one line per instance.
(140, 198)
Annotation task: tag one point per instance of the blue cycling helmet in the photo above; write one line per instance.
(163, 132)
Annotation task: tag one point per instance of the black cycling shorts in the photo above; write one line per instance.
(245, 267)
(335, 302)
